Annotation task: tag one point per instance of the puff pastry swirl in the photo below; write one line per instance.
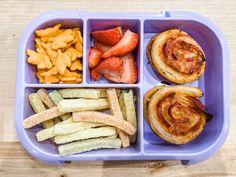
(176, 56)
(175, 113)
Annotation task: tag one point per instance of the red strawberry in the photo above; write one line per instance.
(94, 57)
(102, 47)
(95, 75)
(113, 78)
(108, 37)
(111, 68)
(128, 43)
(129, 74)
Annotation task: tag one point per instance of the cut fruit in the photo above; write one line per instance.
(129, 74)
(94, 57)
(102, 47)
(108, 37)
(126, 45)
(95, 75)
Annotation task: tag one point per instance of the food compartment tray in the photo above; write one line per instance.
(214, 83)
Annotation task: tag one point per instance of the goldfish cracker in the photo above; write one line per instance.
(67, 59)
(68, 82)
(68, 79)
(74, 54)
(72, 42)
(42, 61)
(38, 74)
(44, 39)
(80, 39)
(79, 43)
(61, 41)
(79, 47)
(49, 32)
(71, 77)
(52, 71)
(60, 63)
(68, 76)
(51, 79)
(39, 46)
(76, 65)
(79, 80)
(50, 52)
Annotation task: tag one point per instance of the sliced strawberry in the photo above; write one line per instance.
(129, 74)
(102, 47)
(95, 75)
(113, 78)
(94, 57)
(128, 43)
(111, 68)
(108, 37)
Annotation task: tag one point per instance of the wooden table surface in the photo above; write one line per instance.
(14, 161)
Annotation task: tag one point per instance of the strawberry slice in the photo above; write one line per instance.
(111, 68)
(102, 47)
(108, 37)
(95, 75)
(113, 78)
(94, 57)
(129, 74)
(128, 43)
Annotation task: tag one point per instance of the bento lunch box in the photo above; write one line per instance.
(214, 83)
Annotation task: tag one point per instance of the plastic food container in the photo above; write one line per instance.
(214, 83)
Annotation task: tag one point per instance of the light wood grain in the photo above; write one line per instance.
(14, 161)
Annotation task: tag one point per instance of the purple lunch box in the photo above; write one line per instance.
(214, 83)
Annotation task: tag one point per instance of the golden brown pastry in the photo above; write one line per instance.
(175, 113)
(176, 56)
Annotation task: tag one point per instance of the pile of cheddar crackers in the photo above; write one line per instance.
(57, 55)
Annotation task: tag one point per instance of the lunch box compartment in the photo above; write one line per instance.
(209, 83)
(30, 70)
(104, 24)
(214, 83)
(47, 149)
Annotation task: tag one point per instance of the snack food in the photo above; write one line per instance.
(176, 56)
(128, 110)
(116, 111)
(37, 105)
(85, 134)
(43, 94)
(47, 133)
(107, 119)
(57, 56)
(175, 114)
(112, 56)
(88, 145)
(67, 128)
(56, 97)
(82, 104)
(90, 129)
(41, 117)
(80, 93)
